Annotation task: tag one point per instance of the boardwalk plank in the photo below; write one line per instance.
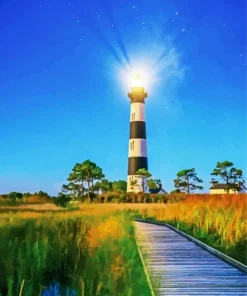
(178, 266)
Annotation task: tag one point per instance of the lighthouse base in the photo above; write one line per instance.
(139, 185)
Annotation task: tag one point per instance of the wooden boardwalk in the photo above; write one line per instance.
(178, 266)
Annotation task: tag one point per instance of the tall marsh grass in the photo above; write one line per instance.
(92, 254)
(92, 251)
(219, 220)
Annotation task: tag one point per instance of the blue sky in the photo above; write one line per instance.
(63, 96)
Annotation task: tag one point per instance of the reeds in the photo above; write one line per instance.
(219, 221)
(90, 253)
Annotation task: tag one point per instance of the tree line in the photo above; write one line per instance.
(19, 195)
(87, 180)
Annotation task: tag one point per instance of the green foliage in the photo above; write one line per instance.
(87, 173)
(144, 175)
(83, 173)
(120, 185)
(66, 253)
(17, 198)
(102, 186)
(187, 181)
(228, 175)
(62, 200)
(153, 183)
(27, 194)
(6, 202)
(15, 195)
(73, 189)
(43, 194)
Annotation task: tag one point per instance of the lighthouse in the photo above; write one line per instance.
(137, 157)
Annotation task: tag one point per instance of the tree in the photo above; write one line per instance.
(120, 185)
(62, 199)
(97, 174)
(154, 183)
(27, 194)
(73, 189)
(43, 194)
(187, 181)
(86, 172)
(144, 175)
(102, 186)
(15, 195)
(97, 187)
(230, 176)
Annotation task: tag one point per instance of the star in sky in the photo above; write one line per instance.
(96, 27)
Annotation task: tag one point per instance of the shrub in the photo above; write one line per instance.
(62, 200)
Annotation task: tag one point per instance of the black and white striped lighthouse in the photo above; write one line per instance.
(137, 158)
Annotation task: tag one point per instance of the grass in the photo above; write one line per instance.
(92, 254)
(31, 207)
(92, 250)
(219, 222)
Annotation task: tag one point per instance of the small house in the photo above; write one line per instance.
(221, 189)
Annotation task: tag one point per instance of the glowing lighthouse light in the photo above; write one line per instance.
(137, 81)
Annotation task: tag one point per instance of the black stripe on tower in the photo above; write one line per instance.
(137, 130)
(136, 163)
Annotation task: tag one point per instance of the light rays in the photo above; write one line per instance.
(157, 60)
(91, 24)
(106, 8)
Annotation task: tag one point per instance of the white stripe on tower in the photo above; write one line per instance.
(137, 148)
(137, 112)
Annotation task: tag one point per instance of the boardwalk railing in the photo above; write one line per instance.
(217, 253)
(178, 264)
